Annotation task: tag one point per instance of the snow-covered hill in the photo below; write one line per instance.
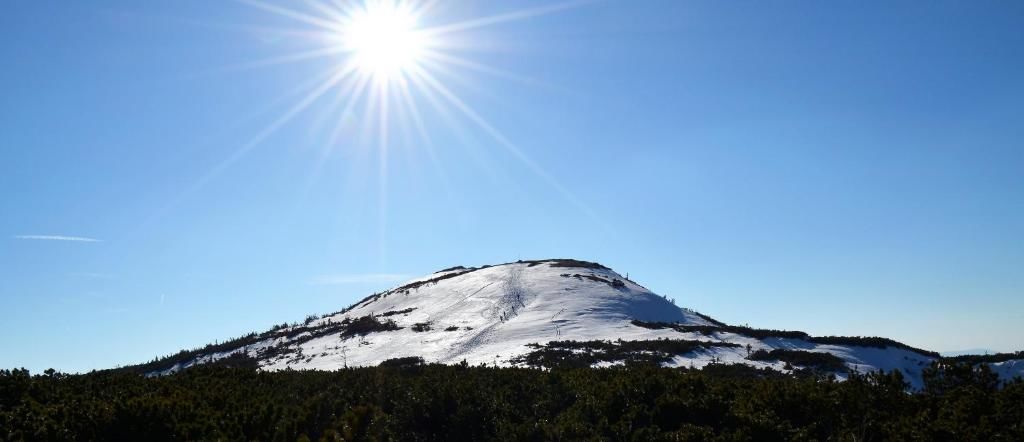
(526, 313)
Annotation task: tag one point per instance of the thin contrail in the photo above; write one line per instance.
(57, 238)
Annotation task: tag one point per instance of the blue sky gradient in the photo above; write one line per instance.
(847, 168)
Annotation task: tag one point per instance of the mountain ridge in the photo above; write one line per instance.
(545, 313)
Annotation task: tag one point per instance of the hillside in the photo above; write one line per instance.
(546, 313)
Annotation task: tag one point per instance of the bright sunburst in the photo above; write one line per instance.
(387, 71)
(383, 39)
(385, 56)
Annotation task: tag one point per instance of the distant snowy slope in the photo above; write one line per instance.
(538, 313)
(489, 314)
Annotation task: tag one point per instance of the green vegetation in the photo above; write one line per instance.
(294, 336)
(869, 341)
(434, 402)
(397, 312)
(567, 263)
(760, 333)
(809, 359)
(988, 359)
(407, 361)
(365, 325)
(614, 283)
(581, 354)
(455, 271)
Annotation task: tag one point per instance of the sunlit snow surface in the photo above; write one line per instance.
(489, 315)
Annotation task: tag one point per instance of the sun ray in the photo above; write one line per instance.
(440, 57)
(234, 123)
(292, 14)
(435, 60)
(382, 171)
(452, 123)
(353, 91)
(276, 124)
(327, 9)
(402, 123)
(386, 63)
(424, 7)
(263, 31)
(428, 144)
(357, 94)
(503, 18)
(415, 116)
(503, 141)
(296, 57)
(329, 114)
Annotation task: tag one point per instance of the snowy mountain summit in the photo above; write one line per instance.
(545, 313)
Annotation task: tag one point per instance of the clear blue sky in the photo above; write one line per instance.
(852, 168)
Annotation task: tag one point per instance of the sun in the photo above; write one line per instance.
(386, 66)
(383, 39)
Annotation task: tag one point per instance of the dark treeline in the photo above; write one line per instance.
(434, 402)
(988, 358)
(761, 333)
(582, 354)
